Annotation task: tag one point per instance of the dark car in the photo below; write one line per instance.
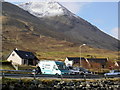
(37, 71)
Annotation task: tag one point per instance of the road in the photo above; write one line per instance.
(58, 77)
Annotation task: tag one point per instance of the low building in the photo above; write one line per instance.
(22, 57)
(70, 61)
(101, 61)
(86, 62)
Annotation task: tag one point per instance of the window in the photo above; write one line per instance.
(25, 61)
(62, 67)
(13, 54)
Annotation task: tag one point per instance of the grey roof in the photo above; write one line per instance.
(25, 54)
(98, 60)
(75, 58)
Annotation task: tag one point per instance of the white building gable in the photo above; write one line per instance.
(15, 58)
(68, 63)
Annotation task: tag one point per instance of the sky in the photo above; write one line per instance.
(104, 15)
(101, 13)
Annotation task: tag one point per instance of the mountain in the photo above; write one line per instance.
(22, 30)
(72, 27)
(26, 27)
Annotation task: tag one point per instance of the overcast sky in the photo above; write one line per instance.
(101, 13)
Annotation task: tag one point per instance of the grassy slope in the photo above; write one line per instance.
(22, 36)
(7, 67)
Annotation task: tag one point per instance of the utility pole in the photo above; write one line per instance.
(81, 53)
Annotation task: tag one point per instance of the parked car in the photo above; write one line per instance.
(84, 71)
(79, 70)
(73, 70)
(113, 72)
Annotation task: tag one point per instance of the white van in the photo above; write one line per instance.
(53, 67)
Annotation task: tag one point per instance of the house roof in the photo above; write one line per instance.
(75, 58)
(25, 54)
(98, 60)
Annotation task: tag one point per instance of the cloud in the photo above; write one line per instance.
(114, 32)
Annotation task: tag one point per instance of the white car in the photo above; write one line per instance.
(72, 71)
(113, 72)
(84, 71)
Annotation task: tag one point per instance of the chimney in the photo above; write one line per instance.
(16, 49)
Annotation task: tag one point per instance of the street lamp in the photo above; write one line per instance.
(80, 53)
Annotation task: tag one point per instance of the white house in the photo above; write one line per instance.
(22, 57)
(70, 61)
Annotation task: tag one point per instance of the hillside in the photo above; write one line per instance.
(71, 27)
(52, 38)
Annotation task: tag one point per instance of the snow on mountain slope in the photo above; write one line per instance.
(42, 9)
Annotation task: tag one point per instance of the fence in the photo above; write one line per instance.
(34, 75)
(9, 74)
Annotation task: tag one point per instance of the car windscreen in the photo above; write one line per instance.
(61, 66)
(82, 69)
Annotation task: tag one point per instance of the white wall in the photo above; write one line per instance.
(68, 63)
(15, 58)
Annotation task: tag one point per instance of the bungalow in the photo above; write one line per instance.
(86, 62)
(22, 57)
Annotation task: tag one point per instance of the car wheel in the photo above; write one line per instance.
(57, 74)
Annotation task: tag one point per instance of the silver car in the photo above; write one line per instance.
(113, 72)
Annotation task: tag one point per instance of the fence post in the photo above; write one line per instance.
(61, 77)
(3, 75)
(105, 77)
(85, 77)
(34, 73)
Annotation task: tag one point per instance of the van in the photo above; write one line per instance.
(53, 67)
